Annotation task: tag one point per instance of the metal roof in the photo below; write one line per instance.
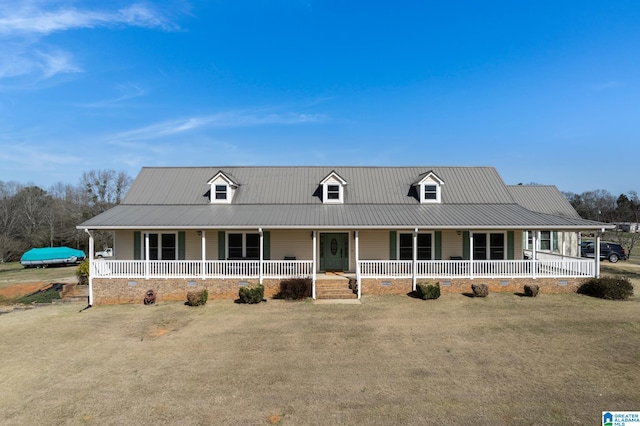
(542, 199)
(375, 197)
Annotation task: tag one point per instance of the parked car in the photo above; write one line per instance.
(610, 251)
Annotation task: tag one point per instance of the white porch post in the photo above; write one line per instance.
(471, 255)
(91, 266)
(358, 264)
(146, 256)
(313, 266)
(597, 254)
(204, 254)
(414, 259)
(261, 254)
(534, 264)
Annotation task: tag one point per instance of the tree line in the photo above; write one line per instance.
(31, 216)
(602, 206)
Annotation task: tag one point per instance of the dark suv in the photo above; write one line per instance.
(611, 251)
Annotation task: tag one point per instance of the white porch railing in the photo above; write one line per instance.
(557, 268)
(108, 268)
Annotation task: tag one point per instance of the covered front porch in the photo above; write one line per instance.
(539, 266)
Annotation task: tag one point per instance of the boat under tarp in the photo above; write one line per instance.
(51, 256)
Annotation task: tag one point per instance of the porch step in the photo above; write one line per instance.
(74, 292)
(334, 289)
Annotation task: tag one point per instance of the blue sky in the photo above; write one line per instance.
(545, 91)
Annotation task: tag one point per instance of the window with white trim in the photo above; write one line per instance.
(430, 192)
(490, 246)
(548, 240)
(161, 246)
(243, 246)
(221, 192)
(333, 192)
(405, 247)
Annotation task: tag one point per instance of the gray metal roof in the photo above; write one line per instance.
(542, 199)
(375, 197)
(297, 185)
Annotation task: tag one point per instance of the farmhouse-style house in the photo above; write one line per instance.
(351, 230)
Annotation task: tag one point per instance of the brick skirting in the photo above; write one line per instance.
(119, 291)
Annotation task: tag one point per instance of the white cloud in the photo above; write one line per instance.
(23, 25)
(28, 18)
(228, 119)
(612, 84)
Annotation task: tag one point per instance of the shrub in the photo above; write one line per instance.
(251, 294)
(82, 272)
(480, 290)
(428, 291)
(197, 298)
(531, 290)
(611, 288)
(295, 289)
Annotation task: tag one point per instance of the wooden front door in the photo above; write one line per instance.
(334, 252)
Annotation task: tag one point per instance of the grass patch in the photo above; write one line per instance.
(555, 359)
(43, 296)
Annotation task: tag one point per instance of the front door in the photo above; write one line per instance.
(334, 252)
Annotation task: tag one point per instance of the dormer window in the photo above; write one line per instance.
(333, 189)
(429, 188)
(333, 192)
(430, 192)
(221, 192)
(223, 188)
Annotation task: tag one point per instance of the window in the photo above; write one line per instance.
(430, 192)
(333, 192)
(162, 247)
(489, 246)
(406, 247)
(221, 192)
(548, 240)
(243, 246)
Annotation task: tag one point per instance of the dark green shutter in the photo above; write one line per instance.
(137, 246)
(393, 239)
(554, 241)
(466, 252)
(510, 247)
(181, 245)
(438, 252)
(221, 246)
(266, 242)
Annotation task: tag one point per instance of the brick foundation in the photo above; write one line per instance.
(119, 291)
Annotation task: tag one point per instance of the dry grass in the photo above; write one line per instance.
(17, 281)
(554, 359)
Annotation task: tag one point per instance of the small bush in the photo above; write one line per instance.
(197, 298)
(611, 288)
(531, 290)
(428, 291)
(82, 272)
(294, 289)
(251, 294)
(480, 290)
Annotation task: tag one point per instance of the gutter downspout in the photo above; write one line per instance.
(91, 267)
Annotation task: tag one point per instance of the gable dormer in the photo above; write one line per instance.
(429, 188)
(333, 189)
(223, 189)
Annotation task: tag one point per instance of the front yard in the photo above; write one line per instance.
(505, 359)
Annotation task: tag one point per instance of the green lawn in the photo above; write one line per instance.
(554, 359)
